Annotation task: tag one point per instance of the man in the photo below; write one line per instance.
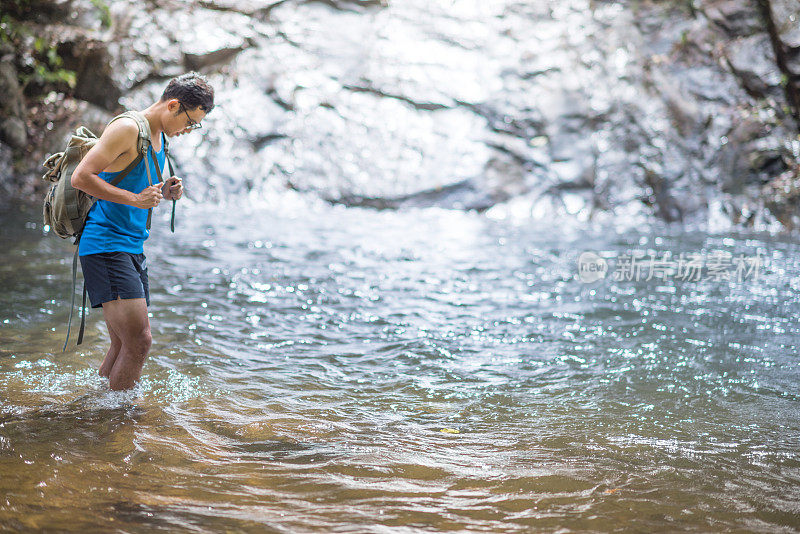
(111, 245)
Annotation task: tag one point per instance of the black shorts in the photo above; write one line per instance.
(112, 275)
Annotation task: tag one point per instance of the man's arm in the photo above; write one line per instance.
(117, 139)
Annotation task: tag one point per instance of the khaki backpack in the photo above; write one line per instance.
(66, 208)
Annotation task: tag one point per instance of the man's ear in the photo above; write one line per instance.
(174, 105)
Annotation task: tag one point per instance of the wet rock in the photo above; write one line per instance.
(6, 166)
(144, 47)
(786, 14)
(245, 7)
(350, 4)
(782, 197)
(749, 157)
(571, 160)
(88, 15)
(793, 65)
(12, 107)
(39, 11)
(179, 39)
(660, 195)
(213, 39)
(80, 113)
(735, 17)
(526, 124)
(786, 21)
(13, 132)
(459, 195)
(422, 106)
(6, 52)
(753, 61)
(12, 103)
(785, 55)
(199, 61)
(685, 112)
(503, 178)
(94, 75)
(580, 104)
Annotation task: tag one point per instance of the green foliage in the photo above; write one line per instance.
(27, 9)
(40, 64)
(105, 12)
(6, 29)
(46, 75)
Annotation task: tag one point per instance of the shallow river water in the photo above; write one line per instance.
(331, 369)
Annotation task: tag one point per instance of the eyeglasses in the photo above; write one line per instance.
(193, 125)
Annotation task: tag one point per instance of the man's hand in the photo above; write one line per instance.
(173, 188)
(149, 197)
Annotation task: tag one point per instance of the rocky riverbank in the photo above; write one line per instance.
(682, 110)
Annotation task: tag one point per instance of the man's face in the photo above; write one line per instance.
(182, 120)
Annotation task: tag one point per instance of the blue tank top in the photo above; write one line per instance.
(112, 227)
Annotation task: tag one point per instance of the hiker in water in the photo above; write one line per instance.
(111, 245)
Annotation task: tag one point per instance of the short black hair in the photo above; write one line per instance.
(192, 90)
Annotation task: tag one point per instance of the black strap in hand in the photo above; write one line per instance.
(171, 173)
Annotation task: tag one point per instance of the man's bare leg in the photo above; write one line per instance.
(128, 319)
(113, 350)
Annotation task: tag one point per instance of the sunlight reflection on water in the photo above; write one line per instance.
(429, 368)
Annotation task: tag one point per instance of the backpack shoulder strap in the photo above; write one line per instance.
(143, 147)
(145, 136)
(171, 172)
